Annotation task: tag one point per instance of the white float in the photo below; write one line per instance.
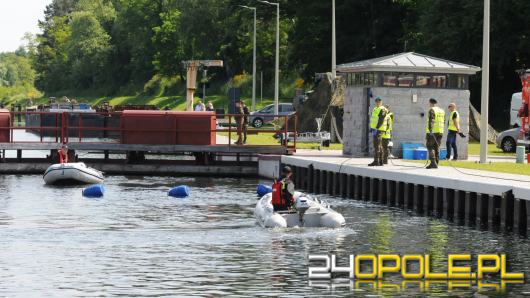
(72, 173)
(307, 212)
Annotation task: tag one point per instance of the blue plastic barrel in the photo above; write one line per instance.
(94, 191)
(181, 191)
(420, 153)
(443, 153)
(263, 190)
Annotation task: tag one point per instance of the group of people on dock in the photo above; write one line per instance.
(382, 120)
(241, 118)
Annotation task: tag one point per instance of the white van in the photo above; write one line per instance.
(517, 101)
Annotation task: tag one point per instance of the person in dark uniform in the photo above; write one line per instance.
(434, 132)
(377, 128)
(246, 112)
(239, 122)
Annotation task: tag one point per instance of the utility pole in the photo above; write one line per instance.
(333, 45)
(277, 67)
(253, 59)
(484, 124)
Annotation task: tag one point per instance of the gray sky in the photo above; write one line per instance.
(18, 17)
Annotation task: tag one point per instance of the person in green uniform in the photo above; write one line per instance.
(377, 128)
(434, 132)
(387, 134)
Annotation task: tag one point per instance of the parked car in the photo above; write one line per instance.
(507, 140)
(265, 115)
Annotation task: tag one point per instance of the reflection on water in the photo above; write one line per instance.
(138, 242)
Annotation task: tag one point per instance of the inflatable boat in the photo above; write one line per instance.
(72, 173)
(307, 212)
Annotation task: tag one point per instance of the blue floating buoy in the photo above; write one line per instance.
(263, 190)
(94, 191)
(181, 191)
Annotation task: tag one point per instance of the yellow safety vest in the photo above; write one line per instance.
(439, 121)
(450, 123)
(375, 118)
(389, 120)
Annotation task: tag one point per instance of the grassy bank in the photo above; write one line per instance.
(474, 149)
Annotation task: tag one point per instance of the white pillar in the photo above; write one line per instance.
(484, 123)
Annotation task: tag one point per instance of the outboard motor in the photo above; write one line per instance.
(301, 205)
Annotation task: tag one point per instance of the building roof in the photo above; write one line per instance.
(409, 62)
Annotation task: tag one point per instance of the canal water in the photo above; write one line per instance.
(138, 242)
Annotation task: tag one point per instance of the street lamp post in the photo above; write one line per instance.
(277, 68)
(253, 60)
(484, 125)
(333, 44)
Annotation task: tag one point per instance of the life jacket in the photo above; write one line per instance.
(375, 118)
(439, 121)
(451, 123)
(277, 193)
(62, 158)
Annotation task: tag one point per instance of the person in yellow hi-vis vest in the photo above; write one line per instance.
(387, 134)
(453, 128)
(377, 128)
(434, 132)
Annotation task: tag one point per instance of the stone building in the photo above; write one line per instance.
(405, 82)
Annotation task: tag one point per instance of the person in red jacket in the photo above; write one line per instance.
(63, 154)
(283, 191)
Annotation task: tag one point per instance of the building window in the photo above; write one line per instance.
(423, 81)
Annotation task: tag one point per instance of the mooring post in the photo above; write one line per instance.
(357, 186)
(527, 203)
(390, 192)
(470, 207)
(373, 190)
(350, 181)
(329, 183)
(519, 215)
(507, 206)
(400, 191)
(459, 206)
(365, 184)
(343, 185)
(323, 181)
(408, 193)
(336, 182)
(438, 202)
(316, 181)
(482, 210)
(310, 173)
(416, 198)
(381, 191)
(427, 200)
(448, 199)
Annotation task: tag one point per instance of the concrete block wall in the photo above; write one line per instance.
(409, 125)
(354, 121)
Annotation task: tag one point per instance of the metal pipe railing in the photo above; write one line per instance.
(61, 128)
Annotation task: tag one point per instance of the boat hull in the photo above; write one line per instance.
(72, 173)
(317, 215)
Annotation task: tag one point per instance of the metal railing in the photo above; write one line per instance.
(108, 127)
